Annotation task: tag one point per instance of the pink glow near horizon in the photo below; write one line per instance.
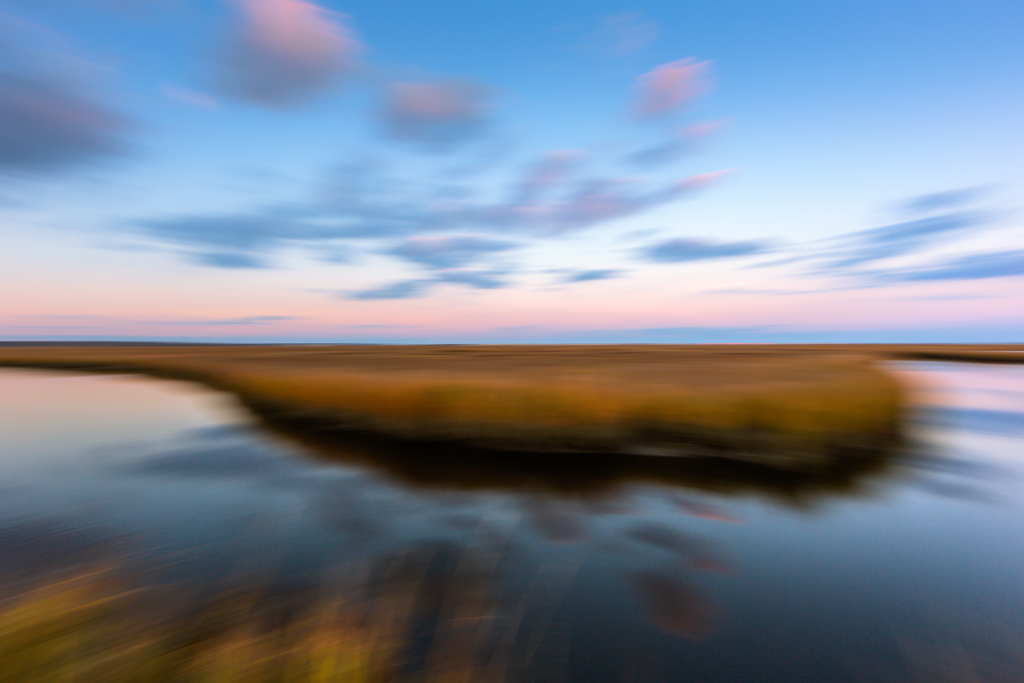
(603, 309)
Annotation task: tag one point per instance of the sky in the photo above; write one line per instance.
(511, 172)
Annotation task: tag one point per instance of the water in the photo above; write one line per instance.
(909, 569)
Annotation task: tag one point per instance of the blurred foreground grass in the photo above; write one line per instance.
(99, 626)
(788, 405)
(88, 631)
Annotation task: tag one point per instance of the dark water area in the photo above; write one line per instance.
(910, 568)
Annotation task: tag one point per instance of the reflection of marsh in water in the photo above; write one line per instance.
(289, 516)
(578, 569)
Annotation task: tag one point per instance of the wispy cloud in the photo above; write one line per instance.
(418, 221)
(229, 260)
(947, 199)
(48, 126)
(407, 289)
(899, 239)
(448, 252)
(675, 146)
(939, 218)
(478, 279)
(460, 229)
(235, 241)
(973, 267)
(548, 172)
(284, 51)
(688, 249)
(590, 275)
(668, 87)
(49, 121)
(436, 116)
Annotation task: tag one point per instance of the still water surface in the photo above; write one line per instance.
(911, 570)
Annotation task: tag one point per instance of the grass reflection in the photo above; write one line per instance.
(594, 477)
(435, 613)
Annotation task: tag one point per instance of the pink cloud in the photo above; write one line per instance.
(552, 169)
(668, 87)
(286, 50)
(51, 117)
(435, 114)
(703, 130)
(701, 180)
(592, 202)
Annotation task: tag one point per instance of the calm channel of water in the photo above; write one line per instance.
(911, 570)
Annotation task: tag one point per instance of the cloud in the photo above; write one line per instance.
(855, 257)
(674, 147)
(246, 240)
(974, 267)
(847, 254)
(405, 289)
(897, 239)
(688, 249)
(285, 51)
(49, 122)
(924, 228)
(598, 200)
(242, 233)
(370, 204)
(49, 127)
(590, 275)
(229, 260)
(548, 172)
(473, 278)
(414, 219)
(667, 87)
(421, 215)
(335, 253)
(448, 252)
(436, 116)
(906, 237)
(944, 200)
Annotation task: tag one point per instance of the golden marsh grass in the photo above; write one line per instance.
(804, 400)
(365, 624)
(90, 629)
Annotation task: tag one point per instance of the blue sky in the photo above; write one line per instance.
(452, 171)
